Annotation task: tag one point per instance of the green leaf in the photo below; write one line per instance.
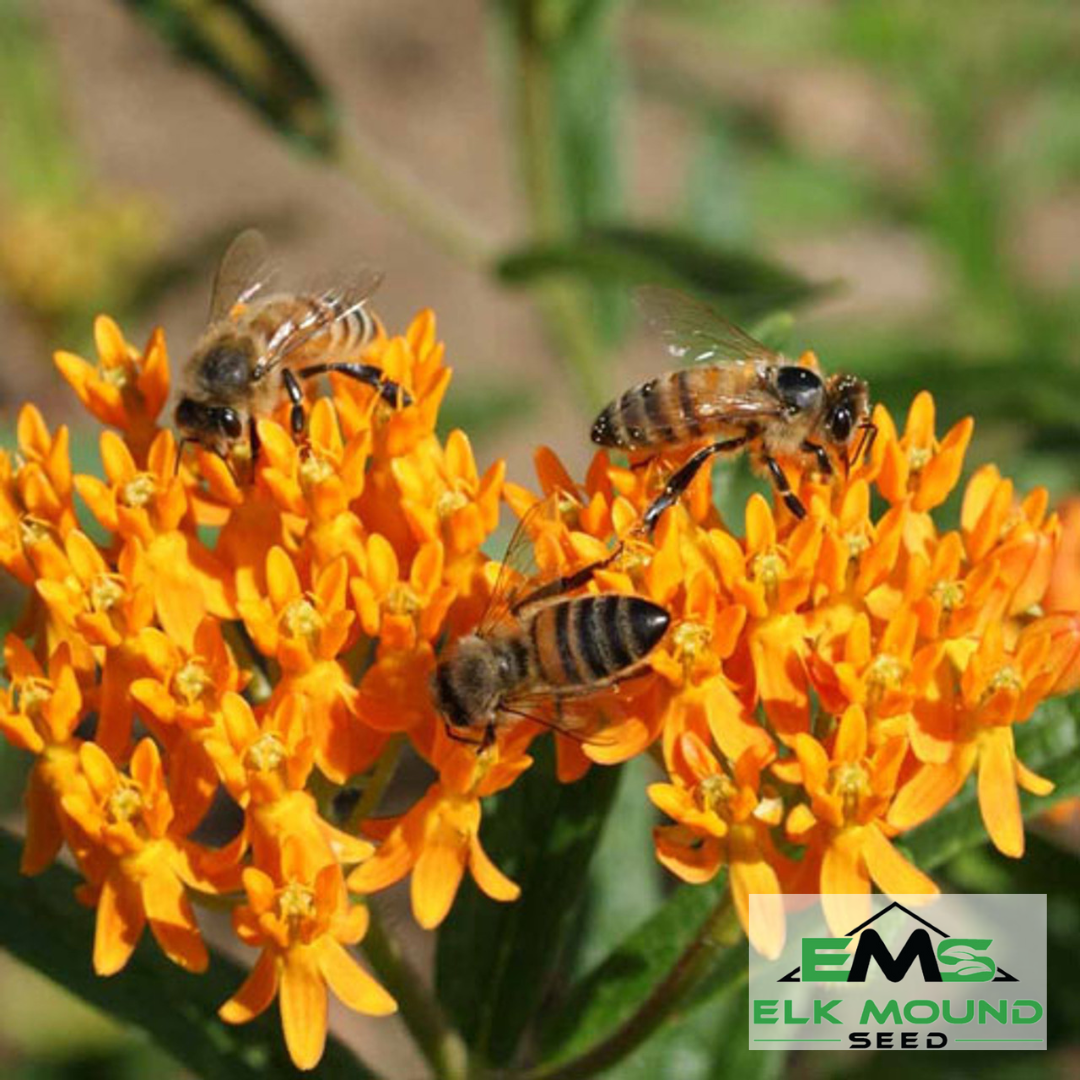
(625, 883)
(243, 48)
(495, 961)
(736, 281)
(609, 994)
(42, 925)
(1048, 744)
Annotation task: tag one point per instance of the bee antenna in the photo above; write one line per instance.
(179, 454)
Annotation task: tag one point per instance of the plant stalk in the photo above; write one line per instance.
(563, 306)
(441, 1045)
(402, 195)
(719, 931)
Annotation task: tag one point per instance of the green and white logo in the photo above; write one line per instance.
(957, 972)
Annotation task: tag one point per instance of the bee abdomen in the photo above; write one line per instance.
(652, 413)
(593, 639)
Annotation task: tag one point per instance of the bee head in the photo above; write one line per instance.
(210, 425)
(848, 408)
(466, 687)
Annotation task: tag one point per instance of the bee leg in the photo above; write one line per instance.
(296, 396)
(791, 500)
(637, 466)
(254, 441)
(390, 391)
(821, 456)
(457, 736)
(680, 480)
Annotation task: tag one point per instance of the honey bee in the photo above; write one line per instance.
(541, 654)
(257, 348)
(744, 396)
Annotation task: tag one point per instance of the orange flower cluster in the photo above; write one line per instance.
(825, 684)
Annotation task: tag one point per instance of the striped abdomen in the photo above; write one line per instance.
(588, 640)
(665, 411)
(339, 326)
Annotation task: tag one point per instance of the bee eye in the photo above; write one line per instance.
(799, 387)
(230, 423)
(840, 424)
(187, 414)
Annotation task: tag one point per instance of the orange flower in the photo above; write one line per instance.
(136, 870)
(439, 836)
(149, 509)
(305, 632)
(724, 819)
(844, 823)
(265, 763)
(39, 712)
(772, 579)
(917, 467)
(127, 389)
(302, 923)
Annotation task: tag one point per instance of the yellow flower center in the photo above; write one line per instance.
(265, 754)
(449, 502)
(302, 619)
(115, 376)
(918, 456)
(949, 594)
(32, 531)
(856, 543)
(34, 695)
(851, 782)
(691, 639)
(191, 681)
(125, 802)
(315, 469)
(715, 792)
(296, 903)
(768, 570)
(138, 491)
(106, 592)
(1006, 678)
(402, 600)
(885, 673)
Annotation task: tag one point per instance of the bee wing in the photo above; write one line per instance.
(693, 331)
(335, 304)
(756, 403)
(245, 269)
(519, 567)
(577, 712)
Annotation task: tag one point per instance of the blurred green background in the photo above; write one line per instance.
(900, 178)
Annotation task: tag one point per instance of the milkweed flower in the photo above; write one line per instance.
(302, 923)
(263, 631)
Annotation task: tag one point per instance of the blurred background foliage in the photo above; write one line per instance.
(896, 184)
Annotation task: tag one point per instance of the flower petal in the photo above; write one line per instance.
(351, 983)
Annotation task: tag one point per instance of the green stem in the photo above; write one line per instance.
(564, 308)
(403, 196)
(719, 931)
(380, 778)
(441, 1045)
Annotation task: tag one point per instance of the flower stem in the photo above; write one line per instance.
(403, 196)
(562, 305)
(719, 931)
(378, 782)
(441, 1045)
